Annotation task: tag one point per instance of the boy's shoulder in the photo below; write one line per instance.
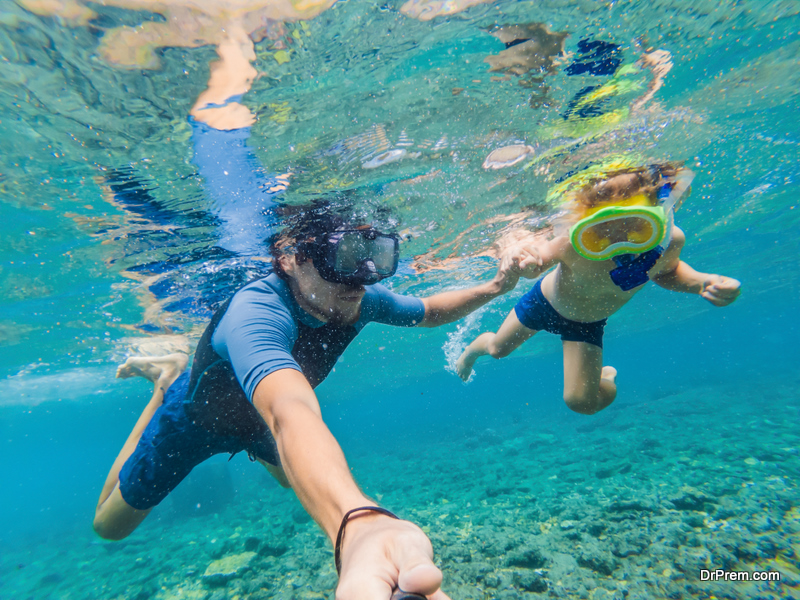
(677, 237)
(562, 244)
(562, 250)
(672, 253)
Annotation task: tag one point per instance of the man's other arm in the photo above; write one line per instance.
(451, 306)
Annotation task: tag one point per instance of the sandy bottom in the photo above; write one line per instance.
(630, 504)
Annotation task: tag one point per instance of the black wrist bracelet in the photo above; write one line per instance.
(337, 558)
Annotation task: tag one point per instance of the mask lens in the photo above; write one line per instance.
(382, 254)
(353, 249)
(350, 251)
(632, 230)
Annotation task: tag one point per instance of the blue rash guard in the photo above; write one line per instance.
(209, 411)
(265, 330)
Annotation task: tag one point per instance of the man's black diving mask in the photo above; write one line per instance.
(354, 256)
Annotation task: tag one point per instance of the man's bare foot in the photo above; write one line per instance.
(464, 364)
(609, 374)
(161, 370)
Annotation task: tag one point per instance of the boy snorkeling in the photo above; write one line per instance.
(621, 235)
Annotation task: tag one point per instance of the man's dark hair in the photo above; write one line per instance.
(308, 224)
(315, 219)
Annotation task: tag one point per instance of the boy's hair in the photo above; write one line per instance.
(605, 187)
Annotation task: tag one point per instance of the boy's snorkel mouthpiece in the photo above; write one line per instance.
(631, 271)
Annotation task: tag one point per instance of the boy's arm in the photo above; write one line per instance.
(538, 258)
(676, 275)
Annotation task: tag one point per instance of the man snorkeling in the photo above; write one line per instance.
(251, 388)
(621, 235)
(251, 385)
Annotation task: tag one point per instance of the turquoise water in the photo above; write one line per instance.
(694, 466)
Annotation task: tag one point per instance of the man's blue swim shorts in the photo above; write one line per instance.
(535, 312)
(170, 447)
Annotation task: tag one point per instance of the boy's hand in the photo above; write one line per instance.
(529, 262)
(720, 290)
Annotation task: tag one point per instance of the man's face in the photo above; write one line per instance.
(335, 303)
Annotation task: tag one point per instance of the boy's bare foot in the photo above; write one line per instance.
(464, 364)
(609, 374)
(161, 370)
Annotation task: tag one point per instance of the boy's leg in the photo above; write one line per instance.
(114, 518)
(588, 386)
(508, 338)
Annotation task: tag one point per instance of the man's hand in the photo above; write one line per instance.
(519, 259)
(720, 290)
(380, 554)
(508, 272)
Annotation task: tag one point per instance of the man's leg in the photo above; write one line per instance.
(508, 338)
(277, 472)
(114, 518)
(588, 386)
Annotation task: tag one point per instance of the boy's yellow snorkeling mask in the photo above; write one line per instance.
(631, 231)
(631, 226)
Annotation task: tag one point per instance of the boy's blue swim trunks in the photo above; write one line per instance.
(535, 312)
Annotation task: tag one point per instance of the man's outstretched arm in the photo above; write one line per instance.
(378, 551)
(451, 306)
